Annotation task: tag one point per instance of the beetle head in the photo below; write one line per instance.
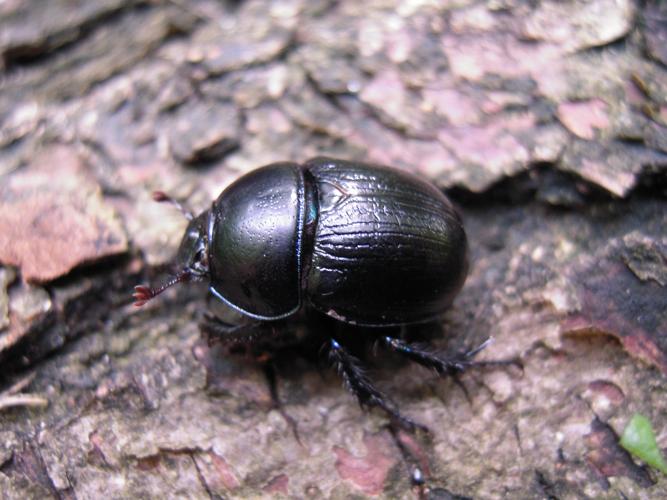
(192, 255)
(190, 264)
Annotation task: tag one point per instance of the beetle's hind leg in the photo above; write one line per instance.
(360, 385)
(445, 365)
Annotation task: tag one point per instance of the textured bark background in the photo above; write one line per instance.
(546, 121)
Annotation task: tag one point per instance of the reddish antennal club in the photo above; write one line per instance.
(143, 294)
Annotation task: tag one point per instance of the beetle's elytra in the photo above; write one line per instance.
(364, 244)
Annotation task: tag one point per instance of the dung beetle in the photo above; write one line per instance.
(364, 244)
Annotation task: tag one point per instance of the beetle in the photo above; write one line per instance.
(366, 245)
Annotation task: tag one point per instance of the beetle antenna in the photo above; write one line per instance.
(161, 196)
(143, 294)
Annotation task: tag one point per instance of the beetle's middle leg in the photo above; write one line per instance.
(360, 385)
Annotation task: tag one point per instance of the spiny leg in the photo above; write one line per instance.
(444, 365)
(217, 330)
(356, 382)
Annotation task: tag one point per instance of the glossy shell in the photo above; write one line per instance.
(362, 243)
(255, 242)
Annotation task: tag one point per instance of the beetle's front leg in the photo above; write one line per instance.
(264, 336)
(216, 329)
(358, 384)
(444, 365)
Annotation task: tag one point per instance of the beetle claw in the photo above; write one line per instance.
(472, 352)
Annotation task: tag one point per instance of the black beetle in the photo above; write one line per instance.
(364, 244)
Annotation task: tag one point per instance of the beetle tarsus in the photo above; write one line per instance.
(360, 385)
(413, 457)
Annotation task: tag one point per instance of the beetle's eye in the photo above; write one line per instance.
(201, 258)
